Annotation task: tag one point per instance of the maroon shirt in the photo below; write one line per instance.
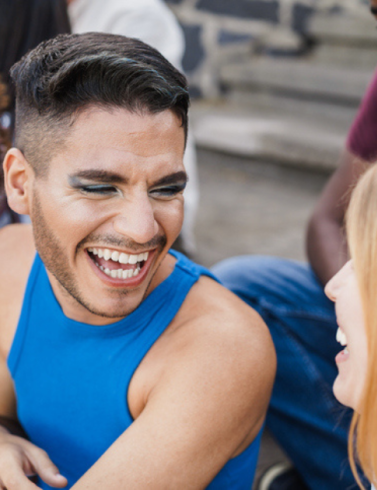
(362, 137)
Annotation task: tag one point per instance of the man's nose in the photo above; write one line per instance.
(136, 220)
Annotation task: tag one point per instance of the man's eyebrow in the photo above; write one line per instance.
(178, 177)
(97, 176)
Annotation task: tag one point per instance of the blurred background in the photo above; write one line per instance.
(275, 86)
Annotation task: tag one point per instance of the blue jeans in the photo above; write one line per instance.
(303, 415)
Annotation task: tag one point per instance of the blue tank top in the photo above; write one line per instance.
(71, 379)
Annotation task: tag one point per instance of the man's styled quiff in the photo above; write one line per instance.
(65, 75)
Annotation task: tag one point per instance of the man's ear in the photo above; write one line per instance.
(17, 181)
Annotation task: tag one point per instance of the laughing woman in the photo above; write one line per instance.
(354, 291)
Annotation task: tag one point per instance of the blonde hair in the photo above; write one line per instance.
(361, 225)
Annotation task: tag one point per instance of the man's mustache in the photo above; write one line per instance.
(158, 241)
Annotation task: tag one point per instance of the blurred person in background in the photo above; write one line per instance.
(354, 291)
(23, 25)
(154, 23)
(304, 416)
(5, 144)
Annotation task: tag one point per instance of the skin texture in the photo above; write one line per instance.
(203, 388)
(325, 240)
(352, 366)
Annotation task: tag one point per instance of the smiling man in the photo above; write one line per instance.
(127, 366)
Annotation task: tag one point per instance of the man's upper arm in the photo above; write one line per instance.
(16, 253)
(209, 402)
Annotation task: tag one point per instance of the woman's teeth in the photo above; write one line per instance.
(342, 339)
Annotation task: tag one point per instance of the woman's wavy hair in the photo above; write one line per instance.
(361, 226)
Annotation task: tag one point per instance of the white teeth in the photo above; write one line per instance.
(123, 258)
(346, 350)
(341, 337)
(120, 273)
(120, 257)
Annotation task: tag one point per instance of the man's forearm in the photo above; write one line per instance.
(326, 247)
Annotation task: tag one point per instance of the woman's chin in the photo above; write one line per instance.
(344, 393)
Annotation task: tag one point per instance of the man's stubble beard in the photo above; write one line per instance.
(54, 259)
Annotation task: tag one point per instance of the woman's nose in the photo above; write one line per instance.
(335, 283)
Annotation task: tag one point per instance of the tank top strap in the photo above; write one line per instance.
(190, 267)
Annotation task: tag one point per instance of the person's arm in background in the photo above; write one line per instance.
(325, 241)
(153, 23)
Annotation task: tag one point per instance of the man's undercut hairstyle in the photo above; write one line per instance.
(66, 75)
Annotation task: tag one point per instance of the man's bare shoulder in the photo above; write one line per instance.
(225, 314)
(233, 333)
(16, 257)
(219, 352)
(16, 248)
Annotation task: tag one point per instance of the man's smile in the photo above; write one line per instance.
(118, 265)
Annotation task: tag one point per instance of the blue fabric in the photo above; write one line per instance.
(304, 415)
(71, 379)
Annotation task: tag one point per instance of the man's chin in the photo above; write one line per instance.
(110, 310)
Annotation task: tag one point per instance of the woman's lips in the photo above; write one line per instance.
(342, 356)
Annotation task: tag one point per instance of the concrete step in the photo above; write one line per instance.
(364, 58)
(271, 103)
(299, 77)
(358, 29)
(305, 142)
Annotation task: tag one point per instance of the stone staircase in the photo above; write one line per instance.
(295, 110)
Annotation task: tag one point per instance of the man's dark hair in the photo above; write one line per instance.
(63, 76)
